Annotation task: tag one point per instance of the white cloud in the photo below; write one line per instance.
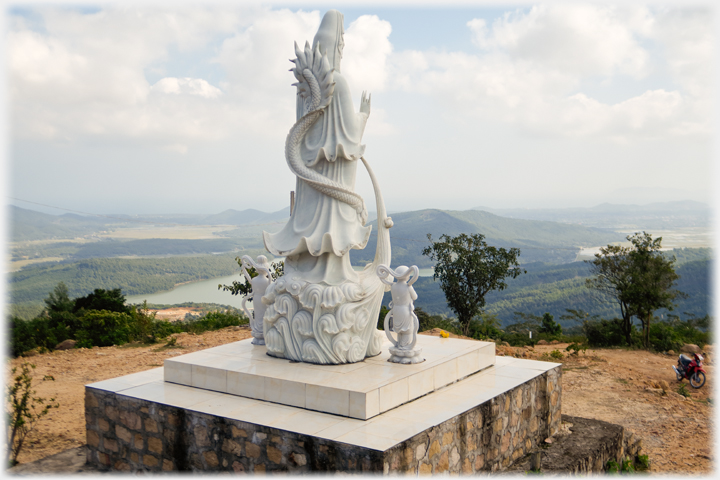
(84, 74)
(186, 86)
(584, 39)
(367, 49)
(534, 64)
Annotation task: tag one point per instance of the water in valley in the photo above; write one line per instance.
(206, 291)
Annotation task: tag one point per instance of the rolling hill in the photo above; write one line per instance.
(539, 241)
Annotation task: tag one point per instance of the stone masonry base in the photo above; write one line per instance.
(130, 434)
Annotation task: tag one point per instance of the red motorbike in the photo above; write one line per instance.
(690, 368)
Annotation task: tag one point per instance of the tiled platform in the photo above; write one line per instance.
(360, 390)
(378, 433)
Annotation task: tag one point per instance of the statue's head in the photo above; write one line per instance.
(262, 264)
(330, 37)
(403, 273)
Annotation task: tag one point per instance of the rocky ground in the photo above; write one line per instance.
(632, 388)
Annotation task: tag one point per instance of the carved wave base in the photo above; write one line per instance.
(322, 324)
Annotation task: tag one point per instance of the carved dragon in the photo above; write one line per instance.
(316, 87)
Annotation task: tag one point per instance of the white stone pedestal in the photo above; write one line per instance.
(480, 423)
(360, 390)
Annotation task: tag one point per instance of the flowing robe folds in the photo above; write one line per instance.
(322, 230)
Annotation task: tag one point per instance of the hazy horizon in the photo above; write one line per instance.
(371, 209)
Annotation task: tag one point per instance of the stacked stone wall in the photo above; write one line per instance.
(487, 438)
(127, 434)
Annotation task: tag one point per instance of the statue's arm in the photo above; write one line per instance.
(413, 295)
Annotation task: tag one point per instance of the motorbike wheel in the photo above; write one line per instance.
(697, 380)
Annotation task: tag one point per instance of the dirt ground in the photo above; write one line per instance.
(175, 314)
(615, 385)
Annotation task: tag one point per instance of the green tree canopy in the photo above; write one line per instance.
(549, 326)
(101, 299)
(59, 300)
(468, 268)
(639, 278)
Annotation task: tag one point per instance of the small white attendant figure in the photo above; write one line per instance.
(401, 318)
(259, 284)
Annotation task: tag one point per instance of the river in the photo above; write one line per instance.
(206, 291)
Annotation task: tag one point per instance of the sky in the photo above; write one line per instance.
(184, 108)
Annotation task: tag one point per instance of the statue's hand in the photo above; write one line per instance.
(365, 100)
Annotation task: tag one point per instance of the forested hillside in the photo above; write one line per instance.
(539, 241)
(32, 225)
(133, 276)
(555, 288)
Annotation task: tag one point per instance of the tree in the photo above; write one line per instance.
(639, 278)
(549, 326)
(243, 287)
(59, 300)
(468, 268)
(101, 299)
(59, 316)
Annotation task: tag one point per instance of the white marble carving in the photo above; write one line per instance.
(321, 310)
(401, 318)
(259, 285)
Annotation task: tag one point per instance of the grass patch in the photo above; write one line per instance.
(682, 390)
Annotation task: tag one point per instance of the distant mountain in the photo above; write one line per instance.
(249, 216)
(31, 225)
(538, 240)
(663, 215)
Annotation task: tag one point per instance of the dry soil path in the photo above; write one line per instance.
(617, 386)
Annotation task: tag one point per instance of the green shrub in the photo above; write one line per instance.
(604, 333)
(214, 321)
(23, 411)
(642, 463)
(682, 390)
(22, 338)
(485, 326)
(428, 322)
(664, 337)
(26, 335)
(627, 466)
(579, 339)
(104, 328)
(612, 466)
(517, 339)
(689, 332)
(575, 348)
(556, 354)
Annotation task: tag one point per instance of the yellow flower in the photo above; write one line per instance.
(444, 334)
